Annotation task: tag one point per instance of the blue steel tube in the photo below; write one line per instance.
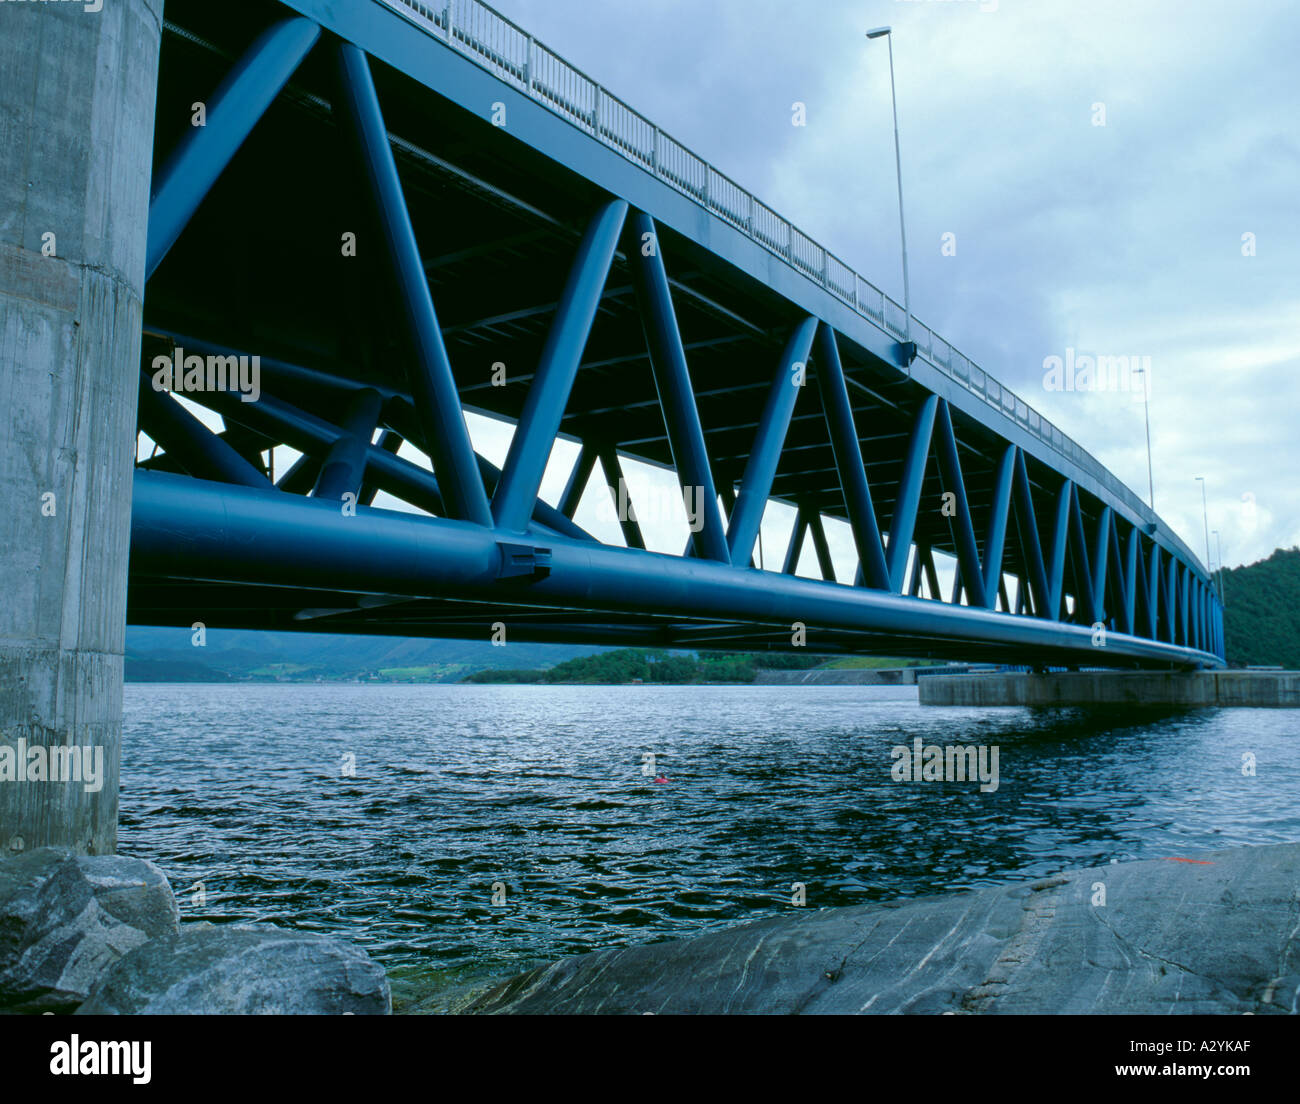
(1060, 540)
(577, 483)
(1083, 595)
(1202, 641)
(614, 479)
(1116, 590)
(1185, 588)
(1199, 613)
(539, 422)
(967, 552)
(914, 582)
(1202, 618)
(315, 436)
(820, 545)
(910, 484)
(931, 575)
(999, 514)
(543, 512)
(1180, 608)
(848, 460)
(1112, 582)
(1100, 564)
(216, 530)
(433, 387)
(1167, 618)
(1031, 546)
(673, 381)
(301, 477)
(1140, 599)
(1125, 560)
(389, 442)
(1155, 589)
(232, 111)
(760, 468)
(1171, 599)
(1131, 581)
(201, 452)
(345, 465)
(1207, 615)
(795, 547)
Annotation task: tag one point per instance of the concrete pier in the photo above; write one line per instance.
(77, 91)
(1264, 689)
(866, 676)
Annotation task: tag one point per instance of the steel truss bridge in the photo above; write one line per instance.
(647, 307)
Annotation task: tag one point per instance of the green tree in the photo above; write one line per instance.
(1262, 611)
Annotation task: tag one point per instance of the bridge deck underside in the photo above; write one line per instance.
(260, 269)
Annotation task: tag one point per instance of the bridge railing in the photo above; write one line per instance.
(512, 54)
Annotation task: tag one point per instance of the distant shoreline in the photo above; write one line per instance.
(404, 682)
(870, 676)
(271, 661)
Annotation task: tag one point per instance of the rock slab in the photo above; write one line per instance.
(65, 919)
(242, 970)
(1209, 933)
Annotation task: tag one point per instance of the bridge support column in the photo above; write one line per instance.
(1122, 689)
(77, 100)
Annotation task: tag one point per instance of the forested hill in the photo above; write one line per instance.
(1262, 607)
(171, 655)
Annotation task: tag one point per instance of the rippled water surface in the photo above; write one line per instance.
(540, 788)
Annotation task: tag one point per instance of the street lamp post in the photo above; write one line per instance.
(885, 32)
(1146, 413)
(1219, 546)
(1205, 511)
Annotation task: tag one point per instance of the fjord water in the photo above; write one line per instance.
(252, 791)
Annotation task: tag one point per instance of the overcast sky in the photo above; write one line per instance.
(1122, 239)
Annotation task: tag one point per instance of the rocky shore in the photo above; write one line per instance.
(1206, 933)
(100, 934)
(1215, 933)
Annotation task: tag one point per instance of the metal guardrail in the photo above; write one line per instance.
(516, 57)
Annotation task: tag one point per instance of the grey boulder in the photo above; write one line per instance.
(1216, 933)
(242, 970)
(66, 918)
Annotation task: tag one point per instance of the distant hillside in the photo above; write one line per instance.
(1262, 611)
(652, 665)
(167, 655)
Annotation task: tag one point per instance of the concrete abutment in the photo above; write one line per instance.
(77, 91)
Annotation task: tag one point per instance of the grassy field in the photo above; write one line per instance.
(438, 672)
(856, 663)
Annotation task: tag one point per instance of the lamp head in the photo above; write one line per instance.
(878, 32)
